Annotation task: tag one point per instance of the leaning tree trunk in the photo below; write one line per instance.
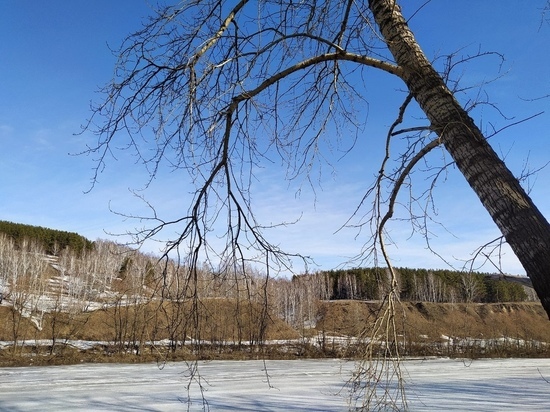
(525, 229)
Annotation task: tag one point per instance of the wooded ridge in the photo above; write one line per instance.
(110, 292)
(51, 240)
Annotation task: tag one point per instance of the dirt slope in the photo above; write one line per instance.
(433, 321)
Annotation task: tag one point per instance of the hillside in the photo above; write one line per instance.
(428, 329)
(476, 329)
(127, 303)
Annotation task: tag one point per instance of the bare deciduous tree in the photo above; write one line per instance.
(215, 91)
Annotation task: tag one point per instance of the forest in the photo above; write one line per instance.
(424, 285)
(51, 240)
(81, 258)
(110, 292)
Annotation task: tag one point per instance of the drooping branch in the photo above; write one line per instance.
(153, 88)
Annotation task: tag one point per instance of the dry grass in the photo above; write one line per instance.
(427, 329)
(476, 320)
(471, 330)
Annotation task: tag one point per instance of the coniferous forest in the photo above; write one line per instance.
(51, 240)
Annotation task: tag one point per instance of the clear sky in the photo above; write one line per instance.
(55, 55)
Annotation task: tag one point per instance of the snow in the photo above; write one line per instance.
(302, 385)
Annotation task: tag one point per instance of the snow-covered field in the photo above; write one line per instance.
(304, 385)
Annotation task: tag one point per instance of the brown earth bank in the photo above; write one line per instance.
(524, 320)
(237, 330)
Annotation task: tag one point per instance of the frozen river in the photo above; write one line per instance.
(304, 385)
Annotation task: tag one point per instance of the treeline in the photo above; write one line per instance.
(144, 299)
(297, 300)
(51, 240)
(423, 285)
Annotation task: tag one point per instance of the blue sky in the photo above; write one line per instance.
(55, 57)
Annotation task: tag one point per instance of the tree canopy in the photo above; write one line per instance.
(53, 241)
